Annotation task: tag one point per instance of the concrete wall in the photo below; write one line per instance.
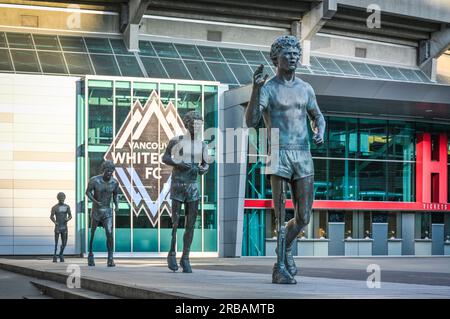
(59, 19)
(438, 10)
(37, 160)
(262, 37)
(377, 52)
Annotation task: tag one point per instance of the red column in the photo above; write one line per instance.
(431, 175)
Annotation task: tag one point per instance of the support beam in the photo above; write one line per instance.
(132, 16)
(311, 23)
(433, 49)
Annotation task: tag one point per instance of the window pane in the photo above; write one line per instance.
(329, 65)
(199, 70)
(210, 53)
(346, 67)
(165, 50)
(25, 61)
(119, 47)
(401, 141)
(145, 48)
(78, 63)
(52, 62)
(98, 45)
(342, 180)
(372, 135)
(232, 55)
(20, 40)
(154, 68)
(343, 137)
(372, 180)
(129, 66)
(410, 75)
(5, 60)
(123, 103)
(242, 72)
(320, 179)
(188, 51)
(222, 72)
(72, 44)
(46, 42)
(167, 93)
(189, 98)
(422, 76)
(100, 116)
(316, 67)
(400, 182)
(175, 69)
(105, 64)
(362, 69)
(394, 73)
(254, 57)
(142, 90)
(379, 71)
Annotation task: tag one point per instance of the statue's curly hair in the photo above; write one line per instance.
(190, 117)
(284, 41)
(107, 165)
(60, 194)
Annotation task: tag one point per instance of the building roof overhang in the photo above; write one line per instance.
(370, 98)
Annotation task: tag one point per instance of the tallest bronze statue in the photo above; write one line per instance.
(285, 102)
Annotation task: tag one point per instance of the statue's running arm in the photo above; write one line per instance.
(90, 191)
(316, 118)
(69, 214)
(254, 110)
(204, 166)
(115, 195)
(52, 215)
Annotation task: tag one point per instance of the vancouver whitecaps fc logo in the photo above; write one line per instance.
(137, 151)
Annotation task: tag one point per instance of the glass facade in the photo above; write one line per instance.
(108, 104)
(361, 160)
(70, 55)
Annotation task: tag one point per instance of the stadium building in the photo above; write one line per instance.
(89, 80)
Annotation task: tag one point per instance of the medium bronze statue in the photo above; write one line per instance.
(60, 215)
(101, 189)
(187, 154)
(284, 102)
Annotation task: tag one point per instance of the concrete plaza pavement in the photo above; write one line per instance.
(250, 278)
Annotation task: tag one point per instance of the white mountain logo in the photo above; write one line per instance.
(137, 150)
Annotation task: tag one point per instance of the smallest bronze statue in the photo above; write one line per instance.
(60, 215)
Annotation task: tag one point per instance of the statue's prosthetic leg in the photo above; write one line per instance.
(191, 211)
(107, 224)
(63, 245)
(55, 259)
(171, 257)
(91, 242)
(302, 191)
(280, 275)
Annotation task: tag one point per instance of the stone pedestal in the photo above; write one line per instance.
(358, 247)
(271, 244)
(437, 232)
(380, 244)
(312, 247)
(336, 234)
(422, 247)
(447, 248)
(395, 247)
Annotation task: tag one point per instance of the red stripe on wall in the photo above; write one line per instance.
(355, 205)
